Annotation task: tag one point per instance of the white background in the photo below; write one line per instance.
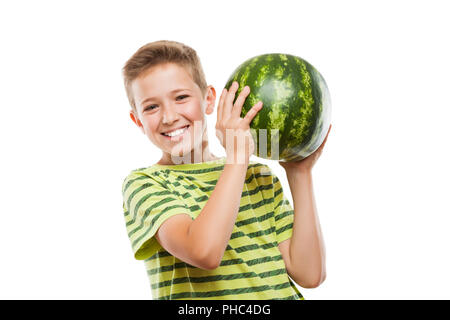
(67, 142)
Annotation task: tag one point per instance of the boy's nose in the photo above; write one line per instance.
(169, 116)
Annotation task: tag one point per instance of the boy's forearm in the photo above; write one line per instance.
(210, 232)
(307, 249)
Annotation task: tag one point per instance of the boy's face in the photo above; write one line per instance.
(167, 98)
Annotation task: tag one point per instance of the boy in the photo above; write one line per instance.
(210, 227)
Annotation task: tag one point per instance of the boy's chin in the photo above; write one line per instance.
(180, 150)
(186, 155)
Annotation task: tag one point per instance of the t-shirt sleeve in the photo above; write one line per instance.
(146, 205)
(283, 212)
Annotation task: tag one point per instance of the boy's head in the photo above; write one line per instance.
(167, 90)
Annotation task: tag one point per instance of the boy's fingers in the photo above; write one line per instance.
(237, 108)
(228, 103)
(220, 105)
(325, 140)
(326, 137)
(252, 112)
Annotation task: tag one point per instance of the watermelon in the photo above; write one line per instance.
(296, 111)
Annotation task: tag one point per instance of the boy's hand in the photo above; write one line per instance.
(232, 130)
(305, 165)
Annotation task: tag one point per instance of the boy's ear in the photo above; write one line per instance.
(136, 120)
(210, 99)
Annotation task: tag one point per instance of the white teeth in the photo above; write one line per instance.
(176, 132)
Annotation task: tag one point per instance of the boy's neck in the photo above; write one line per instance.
(196, 156)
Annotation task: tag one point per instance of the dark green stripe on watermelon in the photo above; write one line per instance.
(304, 118)
(293, 93)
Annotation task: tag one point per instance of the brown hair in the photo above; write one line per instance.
(160, 52)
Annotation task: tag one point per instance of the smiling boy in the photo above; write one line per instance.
(210, 227)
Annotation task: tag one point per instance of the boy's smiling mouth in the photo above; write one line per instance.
(176, 134)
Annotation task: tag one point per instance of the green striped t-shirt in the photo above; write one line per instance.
(252, 266)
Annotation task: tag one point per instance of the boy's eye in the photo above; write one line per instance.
(150, 107)
(154, 105)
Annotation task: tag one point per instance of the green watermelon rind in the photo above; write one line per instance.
(304, 130)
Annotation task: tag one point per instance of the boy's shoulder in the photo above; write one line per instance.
(139, 173)
(260, 168)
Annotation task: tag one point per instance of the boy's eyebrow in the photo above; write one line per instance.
(151, 98)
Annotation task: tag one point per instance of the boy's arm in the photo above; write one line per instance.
(304, 252)
(202, 242)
